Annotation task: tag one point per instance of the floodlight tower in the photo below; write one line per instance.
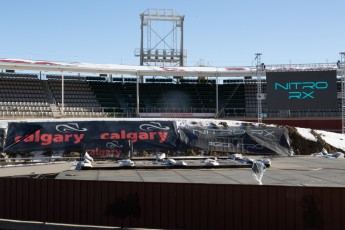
(161, 41)
(260, 68)
(342, 69)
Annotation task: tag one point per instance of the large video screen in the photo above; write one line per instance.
(301, 90)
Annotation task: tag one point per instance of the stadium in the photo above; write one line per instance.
(38, 96)
(50, 110)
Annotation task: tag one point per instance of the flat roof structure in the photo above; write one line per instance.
(299, 192)
(35, 169)
(284, 171)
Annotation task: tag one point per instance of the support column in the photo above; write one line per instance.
(62, 94)
(142, 40)
(217, 92)
(342, 70)
(259, 71)
(181, 43)
(138, 99)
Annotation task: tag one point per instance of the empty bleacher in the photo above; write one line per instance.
(13, 75)
(79, 99)
(115, 98)
(27, 95)
(154, 97)
(22, 95)
(159, 80)
(232, 99)
(169, 98)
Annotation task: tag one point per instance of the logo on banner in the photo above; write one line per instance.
(230, 145)
(63, 136)
(114, 144)
(231, 132)
(69, 135)
(65, 128)
(153, 125)
(113, 148)
(149, 133)
(301, 90)
(264, 133)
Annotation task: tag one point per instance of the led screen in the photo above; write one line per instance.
(312, 90)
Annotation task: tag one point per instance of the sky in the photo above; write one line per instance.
(217, 33)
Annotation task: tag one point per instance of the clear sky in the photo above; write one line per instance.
(219, 32)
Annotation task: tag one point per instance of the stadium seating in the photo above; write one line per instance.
(232, 99)
(29, 95)
(22, 95)
(79, 99)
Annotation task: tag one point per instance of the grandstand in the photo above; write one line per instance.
(35, 96)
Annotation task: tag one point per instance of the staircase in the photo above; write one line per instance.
(47, 91)
(56, 111)
(52, 103)
(227, 101)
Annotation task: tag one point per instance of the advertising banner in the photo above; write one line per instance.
(107, 148)
(2, 135)
(248, 139)
(302, 90)
(55, 136)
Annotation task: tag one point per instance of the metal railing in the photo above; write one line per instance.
(115, 112)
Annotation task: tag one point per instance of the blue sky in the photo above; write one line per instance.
(219, 32)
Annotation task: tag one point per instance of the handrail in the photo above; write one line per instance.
(227, 101)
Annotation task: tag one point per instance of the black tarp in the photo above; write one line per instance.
(68, 136)
(107, 148)
(2, 137)
(101, 137)
(243, 139)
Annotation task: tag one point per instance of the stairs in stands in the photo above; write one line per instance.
(47, 92)
(56, 111)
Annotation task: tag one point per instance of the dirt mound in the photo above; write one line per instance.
(302, 146)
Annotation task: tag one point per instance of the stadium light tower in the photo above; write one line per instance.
(161, 41)
(342, 69)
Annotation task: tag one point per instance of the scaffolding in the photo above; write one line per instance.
(341, 66)
(260, 68)
(161, 42)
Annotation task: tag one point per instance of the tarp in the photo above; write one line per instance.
(107, 148)
(110, 138)
(246, 139)
(2, 135)
(68, 136)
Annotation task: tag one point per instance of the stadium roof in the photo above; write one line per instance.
(20, 64)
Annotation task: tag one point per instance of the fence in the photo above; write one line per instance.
(172, 205)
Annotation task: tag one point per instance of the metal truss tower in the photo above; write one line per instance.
(260, 68)
(341, 65)
(161, 42)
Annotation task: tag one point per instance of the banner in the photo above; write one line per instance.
(107, 148)
(57, 136)
(302, 90)
(248, 139)
(115, 139)
(2, 135)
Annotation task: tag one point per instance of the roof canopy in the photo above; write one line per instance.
(20, 64)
